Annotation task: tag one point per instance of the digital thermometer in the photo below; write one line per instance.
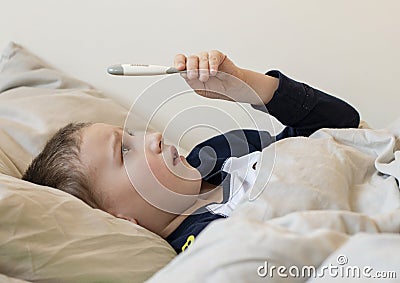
(140, 70)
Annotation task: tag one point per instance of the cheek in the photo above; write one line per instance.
(116, 190)
(147, 171)
(150, 174)
(160, 171)
(159, 187)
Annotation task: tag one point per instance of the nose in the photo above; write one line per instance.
(155, 142)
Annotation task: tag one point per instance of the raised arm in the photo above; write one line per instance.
(300, 107)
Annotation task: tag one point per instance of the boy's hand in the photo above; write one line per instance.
(213, 75)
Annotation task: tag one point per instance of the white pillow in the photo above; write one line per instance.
(47, 235)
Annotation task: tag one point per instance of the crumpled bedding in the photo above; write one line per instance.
(331, 200)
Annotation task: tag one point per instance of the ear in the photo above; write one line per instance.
(130, 219)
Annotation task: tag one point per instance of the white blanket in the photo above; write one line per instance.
(332, 201)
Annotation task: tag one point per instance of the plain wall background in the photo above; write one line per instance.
(347, 48)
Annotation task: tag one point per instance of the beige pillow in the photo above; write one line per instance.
(47, 235)
(6, 279)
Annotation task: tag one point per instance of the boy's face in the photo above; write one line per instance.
(140, 180)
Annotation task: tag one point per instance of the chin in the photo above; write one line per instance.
(190, 187)
(198, 185)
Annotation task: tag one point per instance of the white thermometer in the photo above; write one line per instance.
(140, 70)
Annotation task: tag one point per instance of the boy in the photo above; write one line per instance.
(141, 179)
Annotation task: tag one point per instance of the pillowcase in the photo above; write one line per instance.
(47, 235)
(6, 279)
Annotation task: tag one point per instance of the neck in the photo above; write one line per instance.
(209, 193)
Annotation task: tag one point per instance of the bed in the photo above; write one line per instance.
(340, 207)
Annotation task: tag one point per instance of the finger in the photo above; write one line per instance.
(203, 67)
(192, 66)
(215, 59)
(180, 62)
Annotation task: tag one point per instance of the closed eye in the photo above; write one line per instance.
(124, 148)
